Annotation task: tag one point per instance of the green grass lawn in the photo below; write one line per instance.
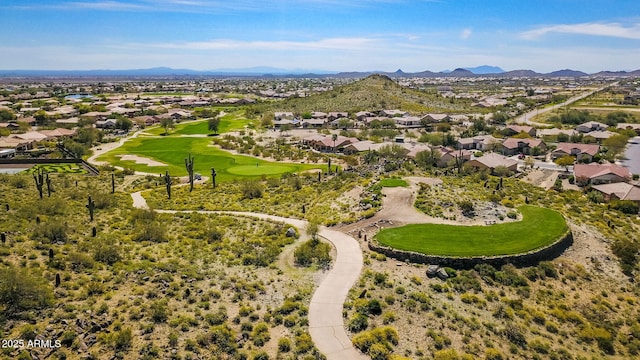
(173, 150)
(393, 182)
(229, 122)
(538, 228)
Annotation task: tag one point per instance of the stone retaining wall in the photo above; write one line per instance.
(531, 258)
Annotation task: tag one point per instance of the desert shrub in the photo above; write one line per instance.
(539, 346)
(102, 200)
(625, 206)
(106, 251)
(21, 291)
(312, 251)
(152, 231)
(379, 352)
(214, 235)
(80, 261)
(260, 334)
(261, 355)
(304, 344)
(388, 317)
(386, 336)
(51, 232)
(447, 354)
(439, 340)
(493, 354)
(123, 339)
(380, 278)
(466, 207)
(222, 338)
(627, 251)
(515, 335)
(358, 323)
(159, 311)
(284, 345)
(251, 190)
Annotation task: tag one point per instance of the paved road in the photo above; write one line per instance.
(326, 324)
(524, 118)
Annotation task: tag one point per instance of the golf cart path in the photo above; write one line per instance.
(326, 324)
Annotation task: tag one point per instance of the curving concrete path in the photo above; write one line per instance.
(326, 324)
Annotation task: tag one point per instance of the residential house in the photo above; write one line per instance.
(413, 152)
(19, 145)
(363, 115)
(59, 133)
(326, 142)
(555, 132)
(600, 135)
(480, 142)
(393, 113)
(627, 126)
(146, 120)
(106, 124)
(595, 174)
(407, 121)
(283, 115)
(619, 191)
(313, 123)
(582, 152)
(513, 146)
(33, 136)
(449, 156)
(591, 126)
(491, 161)
(337, 115)
(362, 146)
(437, 118)
(318, 115)
(517, 129)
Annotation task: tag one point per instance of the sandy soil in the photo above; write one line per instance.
(141, 160)
(592, 250)
(543, 178)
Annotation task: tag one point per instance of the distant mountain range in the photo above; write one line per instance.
(166, 72)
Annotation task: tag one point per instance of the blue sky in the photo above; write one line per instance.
(333, 35)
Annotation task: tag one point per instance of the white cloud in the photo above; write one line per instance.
(593, 29)
(285, 45)
(466, 33)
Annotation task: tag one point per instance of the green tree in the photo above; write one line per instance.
(565, 161)
(615, 144)
(214, 124)
(124, 123)
(41, 117)
(427, 158)
(6, 115)
(167, 123)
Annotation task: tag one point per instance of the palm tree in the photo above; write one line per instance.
(334, 137)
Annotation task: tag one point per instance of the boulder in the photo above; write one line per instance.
(291, 232)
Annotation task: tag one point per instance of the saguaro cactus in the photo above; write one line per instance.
(213, 177)
(49, 186)
(188, 163)
(113, 183)
(91, 205)
(167, 183)
(38, 176)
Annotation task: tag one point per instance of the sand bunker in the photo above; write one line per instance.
(141, 160)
